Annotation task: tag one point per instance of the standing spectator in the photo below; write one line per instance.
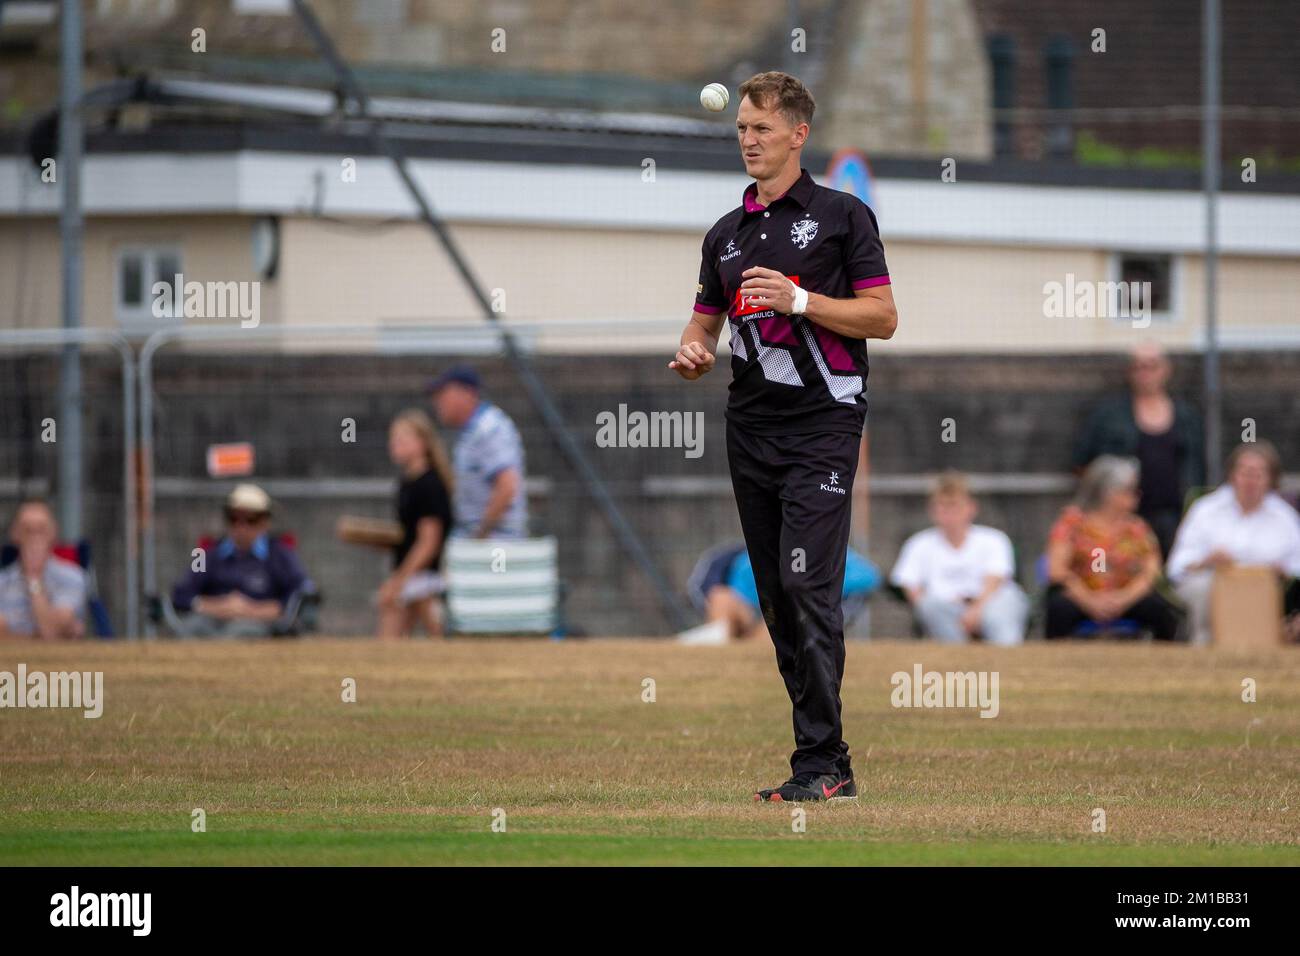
(409, 595)
(1243, 522)
(246, 577)
(488, 460)
(41, 595)
(959, 576)
(1162, 433)
(1103, 560)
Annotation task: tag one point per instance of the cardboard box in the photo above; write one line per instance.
(1246, 608)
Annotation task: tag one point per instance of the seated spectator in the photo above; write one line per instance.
(726, 613)
(1161, 432)
(41, 595)
(1103, 560)
(244, 579)
(1243, 522)
(409, 596)
(959, 576)
(731, 594)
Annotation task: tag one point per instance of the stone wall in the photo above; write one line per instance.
(876, 101)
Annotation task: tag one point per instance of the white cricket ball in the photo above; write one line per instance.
(714, 97)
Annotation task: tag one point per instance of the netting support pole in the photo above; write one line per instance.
(71, 228)
(1210, 158)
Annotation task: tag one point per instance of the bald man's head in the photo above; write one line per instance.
(1148, 369)
(33, 523)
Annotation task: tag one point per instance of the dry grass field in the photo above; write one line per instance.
(557, 737)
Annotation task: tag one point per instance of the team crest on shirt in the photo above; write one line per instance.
(803, 232)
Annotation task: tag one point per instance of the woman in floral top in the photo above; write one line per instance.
(1103, 560)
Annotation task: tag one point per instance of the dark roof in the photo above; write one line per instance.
(201, 116)
(465, 83)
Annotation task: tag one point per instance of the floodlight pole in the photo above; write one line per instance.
(1210, 181)
(533, 386)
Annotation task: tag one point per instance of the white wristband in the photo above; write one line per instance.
(800, 300)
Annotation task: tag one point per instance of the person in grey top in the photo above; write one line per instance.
(41, 594)
(488, 459)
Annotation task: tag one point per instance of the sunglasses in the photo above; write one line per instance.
(239, 517)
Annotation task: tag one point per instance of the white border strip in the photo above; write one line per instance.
(253, 182)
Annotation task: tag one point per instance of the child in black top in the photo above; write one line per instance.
(409, 595)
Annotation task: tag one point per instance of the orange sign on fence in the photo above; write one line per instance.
(230, 461)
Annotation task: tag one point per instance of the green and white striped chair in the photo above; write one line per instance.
(503, 586)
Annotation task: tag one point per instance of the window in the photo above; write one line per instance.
(139, 268)
(1002, 58)
(264, 7)
(1059, 57)
(1157, 272)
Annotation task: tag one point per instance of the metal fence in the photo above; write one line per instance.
(287, 390)
(290, 390)
(29, 387)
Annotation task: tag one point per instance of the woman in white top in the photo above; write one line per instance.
(1244, 522)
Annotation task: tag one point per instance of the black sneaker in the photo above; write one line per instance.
(806, 787)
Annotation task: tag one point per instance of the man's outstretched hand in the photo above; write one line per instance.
(692, 361)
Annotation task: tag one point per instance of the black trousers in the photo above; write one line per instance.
(1064, 616)
(1164, 522)
(794, 498)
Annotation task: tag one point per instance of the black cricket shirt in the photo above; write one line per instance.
(789, 374)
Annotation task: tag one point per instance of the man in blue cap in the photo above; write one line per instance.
(488, 500)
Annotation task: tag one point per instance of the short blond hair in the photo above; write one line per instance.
(782, 92)
(950, 484)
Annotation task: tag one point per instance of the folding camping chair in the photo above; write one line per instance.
(503, 586)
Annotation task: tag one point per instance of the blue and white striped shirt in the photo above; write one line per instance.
(488, 444)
